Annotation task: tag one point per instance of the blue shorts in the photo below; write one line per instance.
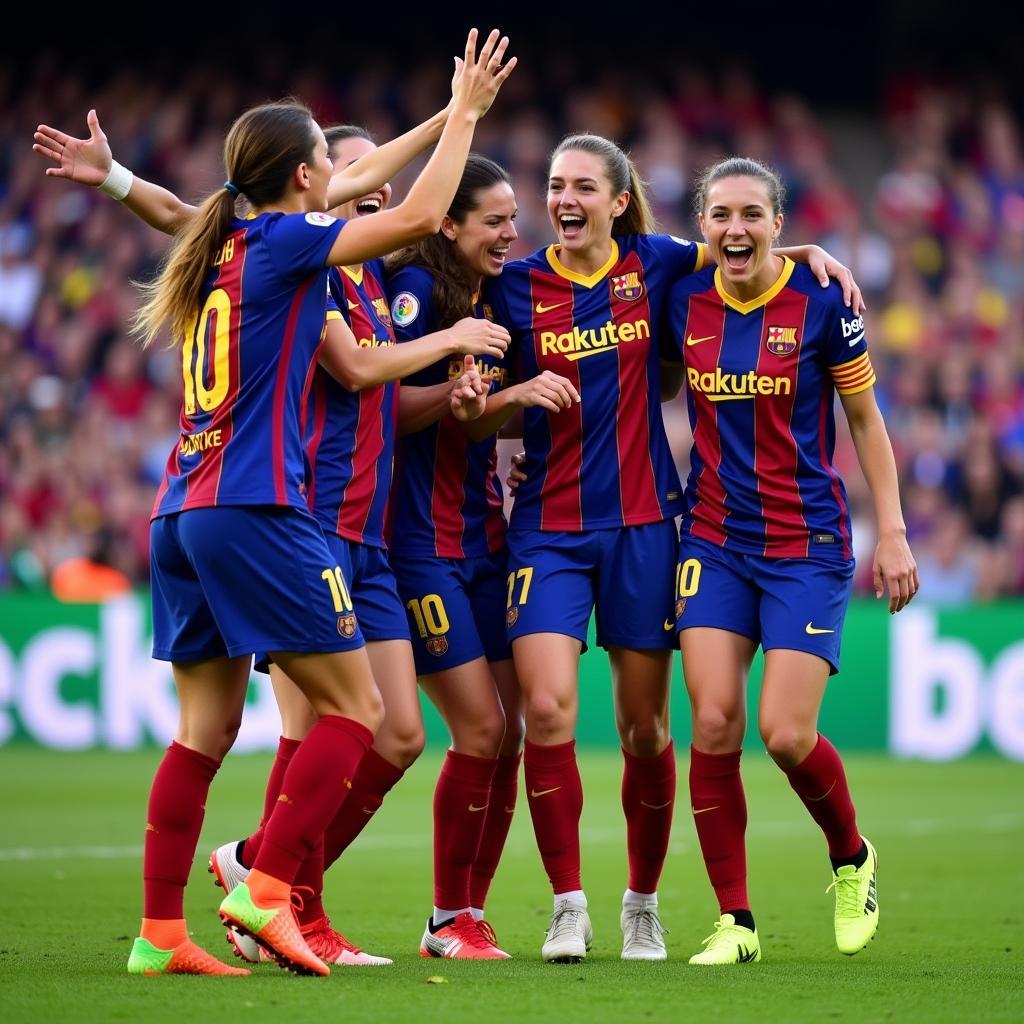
(557, 579)
(793, 604)
(381, 615)
(456, 609)
(235, 580)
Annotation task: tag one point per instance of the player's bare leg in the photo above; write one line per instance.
(716, 663)
(794, 686)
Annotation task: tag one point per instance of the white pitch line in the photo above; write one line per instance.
(993, 823)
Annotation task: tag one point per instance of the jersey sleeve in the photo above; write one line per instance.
(413, 315)
(333, 312)
(336, 297)
(678, 255)
(299, 243)
(846, 347)
(673, 323)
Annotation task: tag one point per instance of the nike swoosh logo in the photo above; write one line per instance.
(691, 340)
(703, 810)
(542, 792)
(353, 305)
(814, 631)
(669, 625)
(542, 308)
(655, 807)
(473, 809)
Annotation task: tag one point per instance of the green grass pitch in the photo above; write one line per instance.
(950, 841)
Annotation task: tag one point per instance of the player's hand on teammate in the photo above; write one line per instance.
(479, 77)
(827, 268)
(469, 393)
(86, 161)
(515, 472)
(895, 570)
(479, 337)
(548, 390)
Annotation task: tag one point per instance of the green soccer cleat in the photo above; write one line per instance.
(186, 958)
(730, 943)
(856, 903)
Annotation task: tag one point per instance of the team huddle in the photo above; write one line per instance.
(332, 509)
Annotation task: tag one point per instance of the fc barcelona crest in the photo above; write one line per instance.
(437, 645)
(511, 615)
(680, 607)
(347, 625)
(380, 307)
(628, 287)
(781, 341)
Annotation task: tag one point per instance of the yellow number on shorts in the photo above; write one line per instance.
(431, 618)
(687, 578)
(526, 575)
(339, 592)
(194, 345)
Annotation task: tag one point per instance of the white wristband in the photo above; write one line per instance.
(118, 182)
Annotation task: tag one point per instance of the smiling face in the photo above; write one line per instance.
(582, 204)
(740, 227)
(347, 151)
(486, 234)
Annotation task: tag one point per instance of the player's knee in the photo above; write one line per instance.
(717, 729)
(513, 736)
(400, 742)
(646, 737)
(481, 736)
(547, 716)
(787, 744)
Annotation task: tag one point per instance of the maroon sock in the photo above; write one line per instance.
(309, 883)
(460, 807)
(371, 783)
(720, 814)
(648, 793)
(555, 794)
(497, 822)
(819, 780)
(174, 819)
(285, 750)
(315, 784)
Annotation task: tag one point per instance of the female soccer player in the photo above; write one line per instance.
(447, 547)
(765, 554)
(593, 523)
(232, 538)
(351, 433)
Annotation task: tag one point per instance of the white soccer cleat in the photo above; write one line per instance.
(570, 936)
(229, 872)
(642, 932)
(335, 950)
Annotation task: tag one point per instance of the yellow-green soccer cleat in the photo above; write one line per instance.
(186, 958)
(730, 943)
(856, 903)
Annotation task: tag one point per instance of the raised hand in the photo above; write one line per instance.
(477, 82)
(86, 161)
(476, 336)
(825, 266)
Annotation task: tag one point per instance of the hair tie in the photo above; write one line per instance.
(232, 188)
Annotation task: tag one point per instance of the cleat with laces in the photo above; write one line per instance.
(856, 917)
(459, 939)
(487, 931)
(185, 958)
(333, 948)
(642, 932)
(228, 871)
(274, 928)
(569, 938)
(730, 943)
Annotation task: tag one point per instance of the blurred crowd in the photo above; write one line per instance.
(927, 207)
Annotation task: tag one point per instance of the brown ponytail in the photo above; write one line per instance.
(261, 152)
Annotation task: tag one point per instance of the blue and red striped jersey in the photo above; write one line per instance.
(246, 367)
(446, 499)
(604, 462)
(350, 437)
(761, 378)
